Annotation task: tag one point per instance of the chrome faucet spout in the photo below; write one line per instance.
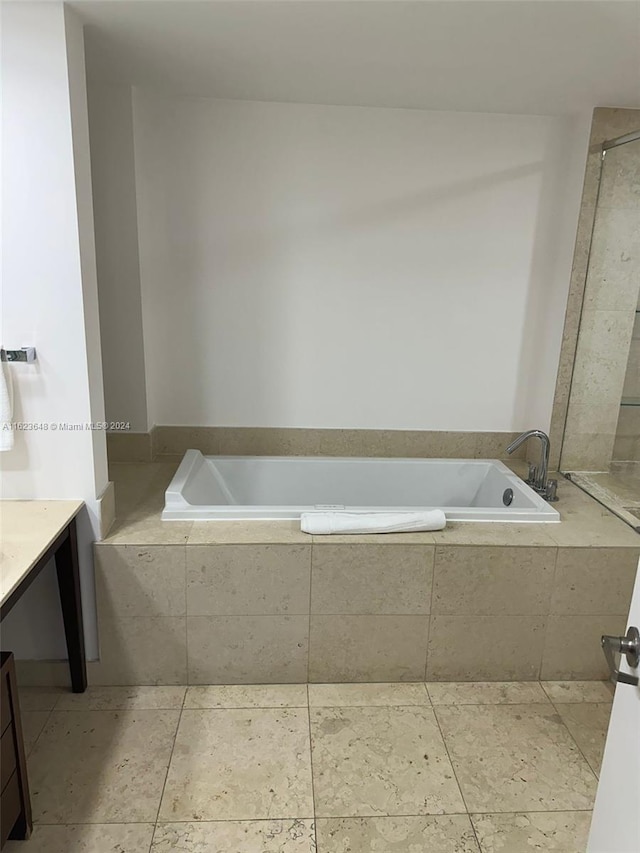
(537, 474)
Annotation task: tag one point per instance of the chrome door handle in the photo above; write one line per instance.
(629, 646)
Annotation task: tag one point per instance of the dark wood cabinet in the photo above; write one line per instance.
(15, 811)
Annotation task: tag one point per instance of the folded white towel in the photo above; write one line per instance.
(6, 408)
(371, 522)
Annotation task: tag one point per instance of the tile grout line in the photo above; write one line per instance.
(313, 787)
(309, 621)
(46, 723)
(332, 817)
(186, 630)
(164, 784)
(548, 613)
(433, 583)
(426, 690)
(455, 775)
(579, 748)
(475, 834)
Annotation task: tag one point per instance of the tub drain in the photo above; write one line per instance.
(507, 497)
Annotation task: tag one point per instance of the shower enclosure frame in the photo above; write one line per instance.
(581, 451)
(585, 424)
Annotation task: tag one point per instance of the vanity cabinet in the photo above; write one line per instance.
(15, 804)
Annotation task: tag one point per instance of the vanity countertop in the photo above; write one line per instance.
(27, 529)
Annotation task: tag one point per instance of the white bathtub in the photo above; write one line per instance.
(226, 488)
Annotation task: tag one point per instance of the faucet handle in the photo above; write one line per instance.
(552, 490)
(533, 473)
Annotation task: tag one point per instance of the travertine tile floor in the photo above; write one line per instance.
(337, 768)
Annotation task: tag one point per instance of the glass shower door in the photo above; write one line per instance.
(601, 448)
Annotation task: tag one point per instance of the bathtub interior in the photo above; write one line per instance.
(283, 487)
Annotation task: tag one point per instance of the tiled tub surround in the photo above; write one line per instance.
(246, 602)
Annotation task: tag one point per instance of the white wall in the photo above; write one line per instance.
(114, 193)
(49, 296)
(314, 266)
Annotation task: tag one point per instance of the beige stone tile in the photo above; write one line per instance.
(552, 832)
(140, 581)
(489, 533)
(127, 751)
(33, 722)
(441, 444)
(485, 692)
(578, 691)
(489, 581)
(143, 481)
(133, 486)
(368, 648)
(493, 445)
(594, 580)
(627, 447)
(419, 538)
(586, 523)
(176, 440)
(249, 836)
(620, 184)
(612, 122)
(163, 473)
(172, 442)
(627, 444)
(247, 696)
(128, 447)
(520, 468)
(628, 423)
(248, 579)
(247, 533)
(589, 451)
(139, 497)
(353, 695)
(347, 442)
(269, 441)
(515, 758)
(39, 698)
(631, 386)
(612, 280)
(588, 724)
(615, 490)
(598, 377)
(436, 444)
(485, 648)
(240, 764)
(86, 838)
(368, 579)
(117, 698)
(380, 761)
(247, 649)
(142, 651)
(146, 527)
(435, 834)
(572, 647)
